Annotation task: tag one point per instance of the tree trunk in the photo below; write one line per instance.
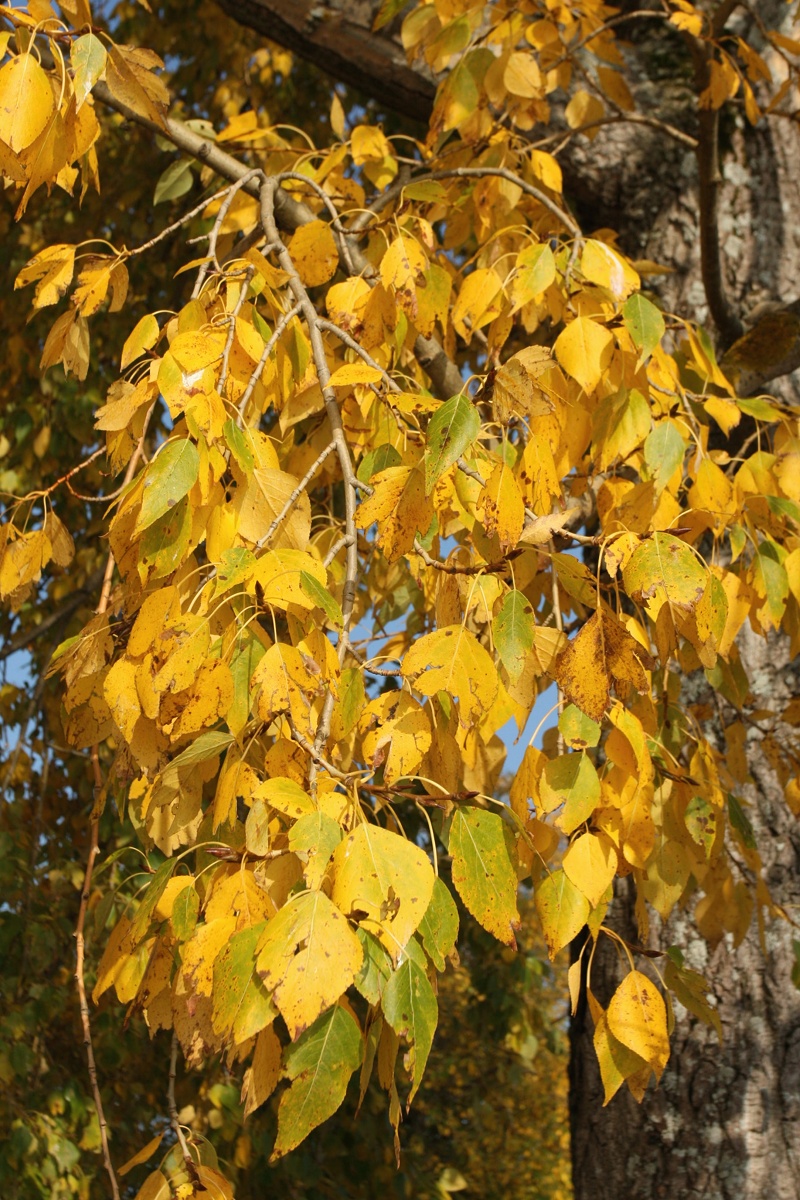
(724, 1123)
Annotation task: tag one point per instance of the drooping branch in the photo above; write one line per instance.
(344, 46)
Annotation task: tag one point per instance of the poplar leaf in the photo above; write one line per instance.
(664, 449)
(484, 870)
(644, 323)
(562, 909)
(438, 929)
(26, 102)
(321, 597)
(313, 250)
(664, 570)
(637, 1017)
(584, 350)
(88, 58)
(409, 1005)
(261, 1078)
(319, 1065)
(591, 863)
(143, 337)
(169, 477)
(396, 733)
(512, 631)
(451, 430)
(571, 780)
(383, 881)
(307, 957)
(241, 1005)
(452, 660)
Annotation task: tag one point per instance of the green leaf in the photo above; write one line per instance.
(175, 182)
(387, 12)
(784, 508)
(154, 892)
(185, 912)
(691, 989)
(206, 746)
(409, 1005)
(512, 630)
(237, 444)
(759, 408)
(241, 1005)
(740, 822)
(243, 664)
(664, 570)
(429, 191)
(451, 430)
(376, 460)
(579, 731)
(439, 927)
(700, 818)
(484, 870)
(352, 699)
(319, 1064)
(571, 780)
(88, 60)
(663, 452)
(562, 910)
(316, 833)
(771, 582)
(170, 476)
(322, 598)
(644, 323)
(376, 967)
(166, 541)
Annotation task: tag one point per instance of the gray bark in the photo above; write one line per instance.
(724, 1123)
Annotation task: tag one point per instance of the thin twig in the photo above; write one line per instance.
(231, 319)
(173, 1112)
(262, 362)
(336, 225)
(448, 568)
(339, 438)
(296, 494)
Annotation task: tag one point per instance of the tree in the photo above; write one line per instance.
(423, 440)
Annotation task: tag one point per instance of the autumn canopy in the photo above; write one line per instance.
(385, 447)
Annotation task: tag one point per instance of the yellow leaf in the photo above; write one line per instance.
(562, 910)
(590, 862)
(522, 76)
(313, 250)
(601, 655)
(637, 1017)
(262, 499)
(615, 87)
(53, 268)
(396, 733)
(352, 373)
(478, 302)
(307, 957)
(261, 1079)
(584, 109)
(142, 1156)
(608, 269)
(401, 508)
(403, 269)
(617, 1063)
(122, 697)
(385, 881)
(517, 387)
(453, 660)
(502, 506)
(275, 579)
(26, 102)
(288, 682)
(584, 350)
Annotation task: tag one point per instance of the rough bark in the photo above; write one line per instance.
(725, 1122)
(338, 38)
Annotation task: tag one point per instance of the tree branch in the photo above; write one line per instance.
(340, 45)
